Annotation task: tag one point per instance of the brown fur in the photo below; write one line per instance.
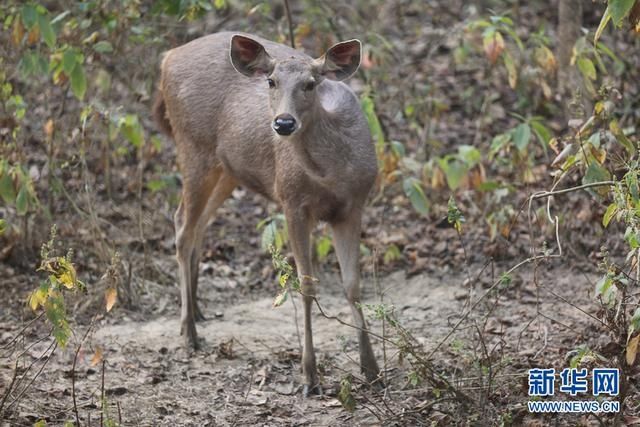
(160, 114)
(221, 121)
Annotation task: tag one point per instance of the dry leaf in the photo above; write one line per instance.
(110, 297)
(18, 32)
(97, 357)
(632, 350)
(634, 17)
(493, 46)
(34, 36)
(48, 128)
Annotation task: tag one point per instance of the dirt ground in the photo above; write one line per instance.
(248, 372)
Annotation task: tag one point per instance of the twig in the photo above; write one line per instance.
(102, 396)
(488, 291)
(295, 316)
(290, 22)
(54, 344)
(544, 194)
(9, 388)
(24, 328)
(73, 373)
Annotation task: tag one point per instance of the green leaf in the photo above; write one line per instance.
(22, 201)
(78, 81)
(619, 10)
(268, 235)
(46, 31)
(606, 17)
(3, 226)
(454, 171)
(392, 254)
(596, 173)
(586, 67)
(413, 190)
(29, 15)
(470, 155)
(103, 47)
(7, 191)
(374, 123)
(132, 130)
(512, 72)
(608, 215)
(344, 395)
(280, 298)
(522, 136)
(398, 149)
(542, 132)
(323, 246)
(634, 322)
(603, 285)
(69, 60)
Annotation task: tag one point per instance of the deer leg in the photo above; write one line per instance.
(221, 192)
(299, 226)
(195, 196)
(346, 241)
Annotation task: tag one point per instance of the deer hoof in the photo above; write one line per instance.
(190, 337)
(311, 390)
(197, 314)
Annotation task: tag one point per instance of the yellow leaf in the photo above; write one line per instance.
(283, 280)
(110, 297)
(632, 350)
(599, 154)
(48, 128)
(97, 356)
(18, 31)
(545, 59)
(37, 298)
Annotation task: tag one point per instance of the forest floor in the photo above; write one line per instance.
(248, 371)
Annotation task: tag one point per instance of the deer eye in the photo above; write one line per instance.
(308, 86)
(271, 83)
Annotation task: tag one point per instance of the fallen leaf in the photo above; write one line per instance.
(97, 357)
(110, 297)
(632, 350)
(48, 128)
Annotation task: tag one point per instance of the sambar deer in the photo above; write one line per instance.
(245, 110)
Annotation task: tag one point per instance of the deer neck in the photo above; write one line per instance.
(317, 148)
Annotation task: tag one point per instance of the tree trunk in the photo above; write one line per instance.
(569, 24)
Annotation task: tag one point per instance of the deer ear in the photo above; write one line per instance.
(248, 57)
(340, 61)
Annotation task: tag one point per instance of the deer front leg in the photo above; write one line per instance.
(346, 241)
(195, 196)
(299, 226)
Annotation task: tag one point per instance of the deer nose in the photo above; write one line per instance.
(284, 124)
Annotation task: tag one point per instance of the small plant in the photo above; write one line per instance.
(287, 277)
(49, 296)
(274, 232)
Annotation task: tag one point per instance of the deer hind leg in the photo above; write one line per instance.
(198, 186)
(346, 241)
(299, 225)
(224, 187)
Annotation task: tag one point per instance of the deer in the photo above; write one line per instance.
(243, 110)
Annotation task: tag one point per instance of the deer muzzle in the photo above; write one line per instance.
(284, 124)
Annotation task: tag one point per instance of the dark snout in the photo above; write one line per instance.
(284, 124)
